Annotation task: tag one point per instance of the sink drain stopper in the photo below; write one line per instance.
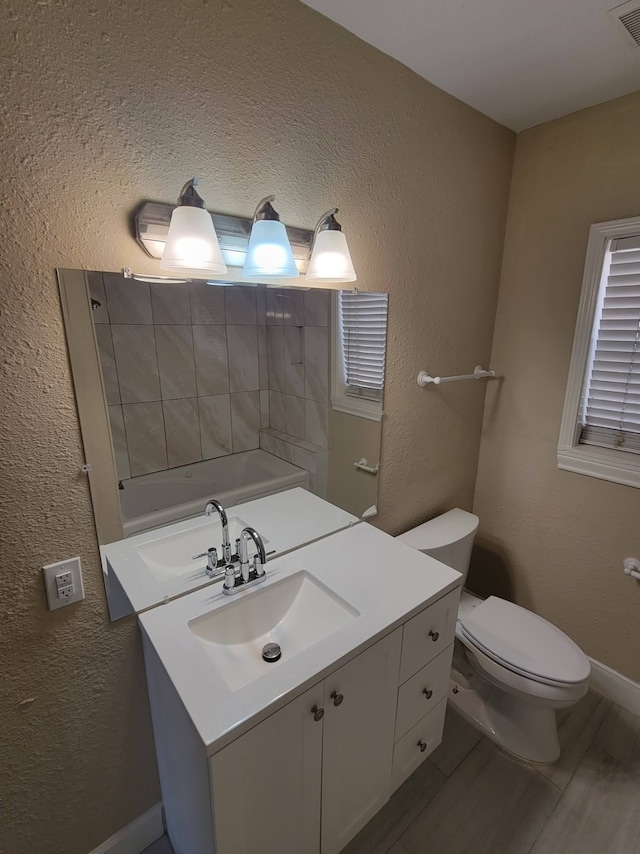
(271, 652)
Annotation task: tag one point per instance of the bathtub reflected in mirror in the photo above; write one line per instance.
(188, 391)
(153, 500)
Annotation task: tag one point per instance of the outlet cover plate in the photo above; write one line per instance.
(51, 570)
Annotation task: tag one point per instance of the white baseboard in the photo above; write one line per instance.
(615, 686)
(135, 837)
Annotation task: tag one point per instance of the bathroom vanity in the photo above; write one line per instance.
(296, 756)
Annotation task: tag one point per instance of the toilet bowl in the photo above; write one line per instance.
(512, 669)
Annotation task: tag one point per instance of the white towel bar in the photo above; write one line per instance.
(631, 566)
(363, 465)
(479, 373)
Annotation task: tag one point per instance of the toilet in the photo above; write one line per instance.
(512, 669)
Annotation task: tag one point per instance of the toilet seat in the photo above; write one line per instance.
(524, 643)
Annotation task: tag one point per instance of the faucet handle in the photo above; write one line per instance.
(212, 562)
(211, 554)
(212, 558)
(229, 577)
(258, 566)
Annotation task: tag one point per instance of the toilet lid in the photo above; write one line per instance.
(525, 642)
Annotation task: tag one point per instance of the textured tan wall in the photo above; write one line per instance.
(551, 539)
(102, 106)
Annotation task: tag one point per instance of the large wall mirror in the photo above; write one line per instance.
(189, 391)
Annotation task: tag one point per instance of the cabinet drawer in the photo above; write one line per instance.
(421, 693)
(407, 753)
(428, 634)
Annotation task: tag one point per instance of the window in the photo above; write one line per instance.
(360, 336)
(600, 431)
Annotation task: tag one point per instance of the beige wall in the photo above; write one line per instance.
(350, 488)
(551, 539)
(104, 105)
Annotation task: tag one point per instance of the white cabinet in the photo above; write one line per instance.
(416, 745)
(307, 778)
(422, 692)
(427, 650)
(310, 776)
(358, 741)
(266, 784)
(428, 633)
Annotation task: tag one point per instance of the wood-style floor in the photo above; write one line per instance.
(470, 798)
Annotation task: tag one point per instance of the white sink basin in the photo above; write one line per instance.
(295, 613)
(171, 556)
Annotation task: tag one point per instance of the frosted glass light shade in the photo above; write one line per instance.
(330, 260)
(192, 243)
(269, 254)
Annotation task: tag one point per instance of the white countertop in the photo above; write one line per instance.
(385, 580)
(286, 520)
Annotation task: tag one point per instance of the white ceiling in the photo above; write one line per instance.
(522, 62)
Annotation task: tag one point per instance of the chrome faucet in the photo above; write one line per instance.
(248, 576)
(215, 506)
(215, 566)
(228, 564)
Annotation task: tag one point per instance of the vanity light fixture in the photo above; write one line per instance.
(192, 243)
(330, 257)
(249, 254)
(269, 254)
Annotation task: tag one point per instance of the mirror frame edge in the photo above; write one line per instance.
(93, 414)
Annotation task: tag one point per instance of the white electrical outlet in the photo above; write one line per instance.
(66, 592)
(64, 579)
(63, 583)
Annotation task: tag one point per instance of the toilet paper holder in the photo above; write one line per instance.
(631, 566)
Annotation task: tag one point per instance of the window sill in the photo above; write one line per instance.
(602, 463)
(361, 408)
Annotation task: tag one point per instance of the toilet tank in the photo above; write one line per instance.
(447, 538)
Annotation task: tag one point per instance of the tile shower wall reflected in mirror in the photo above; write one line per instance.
(194, 371)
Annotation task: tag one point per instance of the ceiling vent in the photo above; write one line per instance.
(628, 16)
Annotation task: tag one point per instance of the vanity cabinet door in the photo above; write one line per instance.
(359, 722)
(266, 784)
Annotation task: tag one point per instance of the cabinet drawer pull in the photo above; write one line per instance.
(422, 745)
(317, 713)
(428, 693)
(337, 698)
(434, 636)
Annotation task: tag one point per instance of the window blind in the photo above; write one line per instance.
(363, 332)
(611, 397)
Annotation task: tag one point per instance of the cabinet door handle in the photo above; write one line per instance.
(434, 636)
(337, 698)
(317, 713)
(428, 693)
(422, 745)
